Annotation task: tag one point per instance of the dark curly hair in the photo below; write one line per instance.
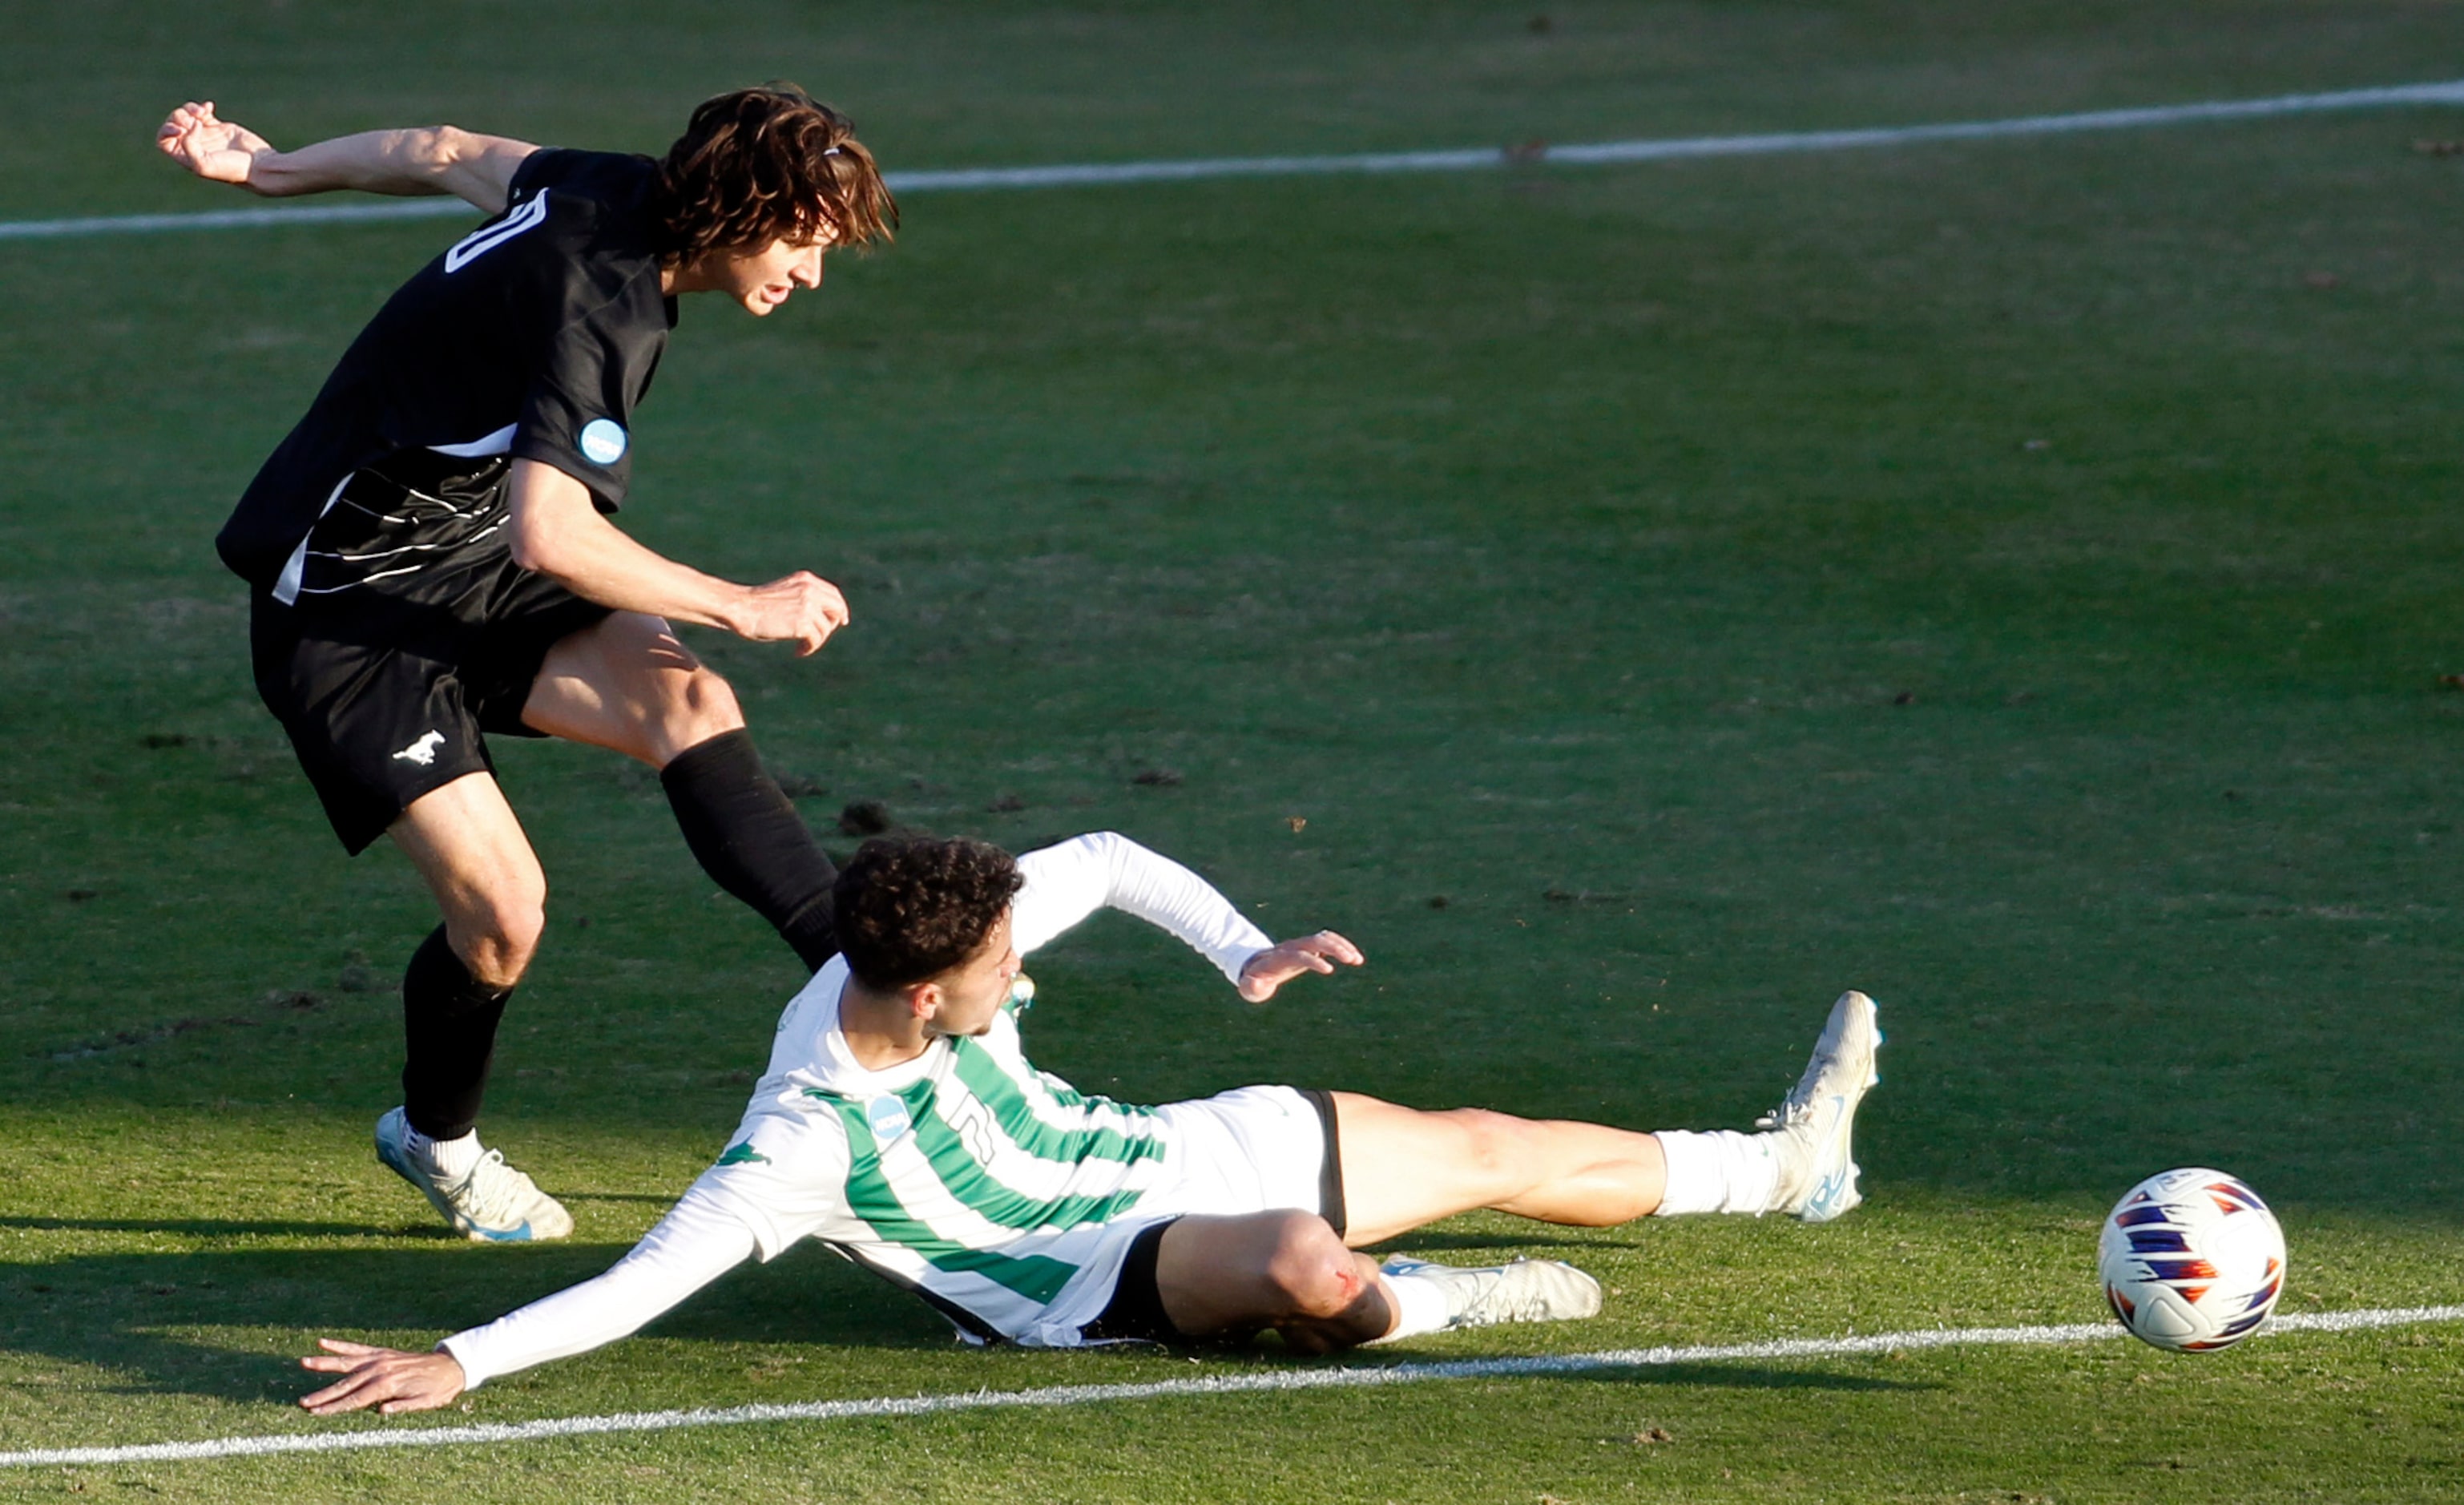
(764, 164)
(910, 908)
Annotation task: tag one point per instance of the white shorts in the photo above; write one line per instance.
(1253, 1149)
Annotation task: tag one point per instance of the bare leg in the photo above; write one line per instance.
(464, 840)
(1402, 1168)
(627, 684)
(1229, 1277)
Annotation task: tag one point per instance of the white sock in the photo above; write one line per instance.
(1420, 1307)
(449, 1159)
(1722, 1171)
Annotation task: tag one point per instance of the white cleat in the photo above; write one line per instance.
(1525, 1291)
(495, 1203)
(1817, 1179)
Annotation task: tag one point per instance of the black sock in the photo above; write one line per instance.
(449, 1025)
(750, 839)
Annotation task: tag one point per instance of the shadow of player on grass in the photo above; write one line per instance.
(226, 1323)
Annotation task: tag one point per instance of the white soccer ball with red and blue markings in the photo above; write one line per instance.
(2192, 1260)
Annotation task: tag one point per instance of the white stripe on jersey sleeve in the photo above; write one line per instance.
(501, 442)
(1068, 882)
(488, 237)
(286, 588)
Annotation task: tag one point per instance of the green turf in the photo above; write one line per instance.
(1633, 602)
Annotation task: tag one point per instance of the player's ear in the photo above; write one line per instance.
(924, 1000)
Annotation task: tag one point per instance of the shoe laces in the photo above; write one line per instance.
(494, 1191)
(1798, 1106)
(1787, 1115)
(1497, 1295)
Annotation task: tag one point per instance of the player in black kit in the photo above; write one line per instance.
(429, 560)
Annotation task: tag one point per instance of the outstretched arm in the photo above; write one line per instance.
(428, 158)
(1068, 882)
(693, 1244)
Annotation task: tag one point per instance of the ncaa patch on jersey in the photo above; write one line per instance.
(602, 441)
(886, 1117)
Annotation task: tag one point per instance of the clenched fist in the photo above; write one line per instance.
(803, 609)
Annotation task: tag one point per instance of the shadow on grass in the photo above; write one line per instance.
(162, 1321)
(1422, 1241)
(165, 1322)
(1267, 1354)
(217, 1227)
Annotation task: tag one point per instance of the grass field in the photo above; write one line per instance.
(1635, 603)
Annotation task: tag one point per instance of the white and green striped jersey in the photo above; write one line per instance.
(959, 1175)
(966, 1174)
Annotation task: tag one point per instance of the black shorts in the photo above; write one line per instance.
(387, 677)
(1135, 1313)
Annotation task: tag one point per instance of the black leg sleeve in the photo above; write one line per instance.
(751, 841)
(449, 1025)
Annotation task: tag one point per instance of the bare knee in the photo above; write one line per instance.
(497, 937)
(1493, 1146)
(1308, 1270)
(694, 707)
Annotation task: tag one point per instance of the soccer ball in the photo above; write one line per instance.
(2191, 1260)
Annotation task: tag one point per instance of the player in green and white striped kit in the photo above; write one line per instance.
(901, 1123)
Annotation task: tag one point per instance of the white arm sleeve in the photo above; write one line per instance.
(1069, 882)
(697, 1242)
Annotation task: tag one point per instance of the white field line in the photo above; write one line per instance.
(1534, 1367)
(1470, 159)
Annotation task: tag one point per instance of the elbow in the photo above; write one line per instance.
(1109, 847)
(535, 548)
(437, 148)
(550, 525)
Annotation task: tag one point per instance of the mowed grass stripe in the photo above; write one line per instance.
(1590, 154)
(1537, 1366)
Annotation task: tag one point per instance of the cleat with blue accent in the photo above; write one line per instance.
(495, 1203)
(1818, 1178)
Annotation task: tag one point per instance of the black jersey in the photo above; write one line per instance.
(532, 338)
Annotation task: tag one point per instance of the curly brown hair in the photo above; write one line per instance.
(764, 164)
(910, 908)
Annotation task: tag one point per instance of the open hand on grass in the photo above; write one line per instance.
(389, 1379)
(1272, 968)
